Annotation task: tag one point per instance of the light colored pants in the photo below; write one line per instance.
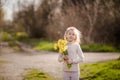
(70, 75)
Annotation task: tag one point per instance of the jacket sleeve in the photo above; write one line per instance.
(80, 55)
(60, 58)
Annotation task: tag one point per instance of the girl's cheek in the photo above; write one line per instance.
(67, 38)
(75, 37)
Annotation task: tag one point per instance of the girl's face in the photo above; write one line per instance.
(70, 36)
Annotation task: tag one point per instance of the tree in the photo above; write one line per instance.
(96, 19)
(37, 21)
(2, 14)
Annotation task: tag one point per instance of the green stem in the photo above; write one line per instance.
(68, 65)
(66, 53)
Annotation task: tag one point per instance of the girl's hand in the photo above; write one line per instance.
(68, 62)
(65, 57)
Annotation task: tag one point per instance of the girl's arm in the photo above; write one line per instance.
(80, 55)
(60, 58)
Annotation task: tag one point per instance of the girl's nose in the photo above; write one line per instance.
(70, 36)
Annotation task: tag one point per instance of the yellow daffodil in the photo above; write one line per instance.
(61, 46)
(55, 46)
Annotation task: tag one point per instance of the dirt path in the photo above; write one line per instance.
(18, 63)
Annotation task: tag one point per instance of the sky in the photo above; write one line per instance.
(11, 5)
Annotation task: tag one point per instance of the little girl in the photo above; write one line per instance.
(75, 54)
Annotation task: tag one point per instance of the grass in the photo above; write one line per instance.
(3, 62)
(44, 45)
(11, 38)
(98, 71)
(5, 36)
(35, 74)
(99, 48)
(1, 78)
(48, 45)
(14, 45)
(40, 44)
(101, 71)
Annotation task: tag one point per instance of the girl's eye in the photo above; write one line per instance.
(69, 33)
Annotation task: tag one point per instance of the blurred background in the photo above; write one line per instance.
(98, 20)
(30, 27)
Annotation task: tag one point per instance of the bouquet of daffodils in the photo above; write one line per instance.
(61, 46)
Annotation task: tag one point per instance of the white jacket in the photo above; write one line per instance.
(75, 56)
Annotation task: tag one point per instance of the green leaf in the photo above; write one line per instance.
(69, 65)
(66, 53)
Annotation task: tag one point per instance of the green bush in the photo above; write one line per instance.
(5, 36)
(40, 44)
(14, 45)
(44, 45)
(21, 35)
(99, 48)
